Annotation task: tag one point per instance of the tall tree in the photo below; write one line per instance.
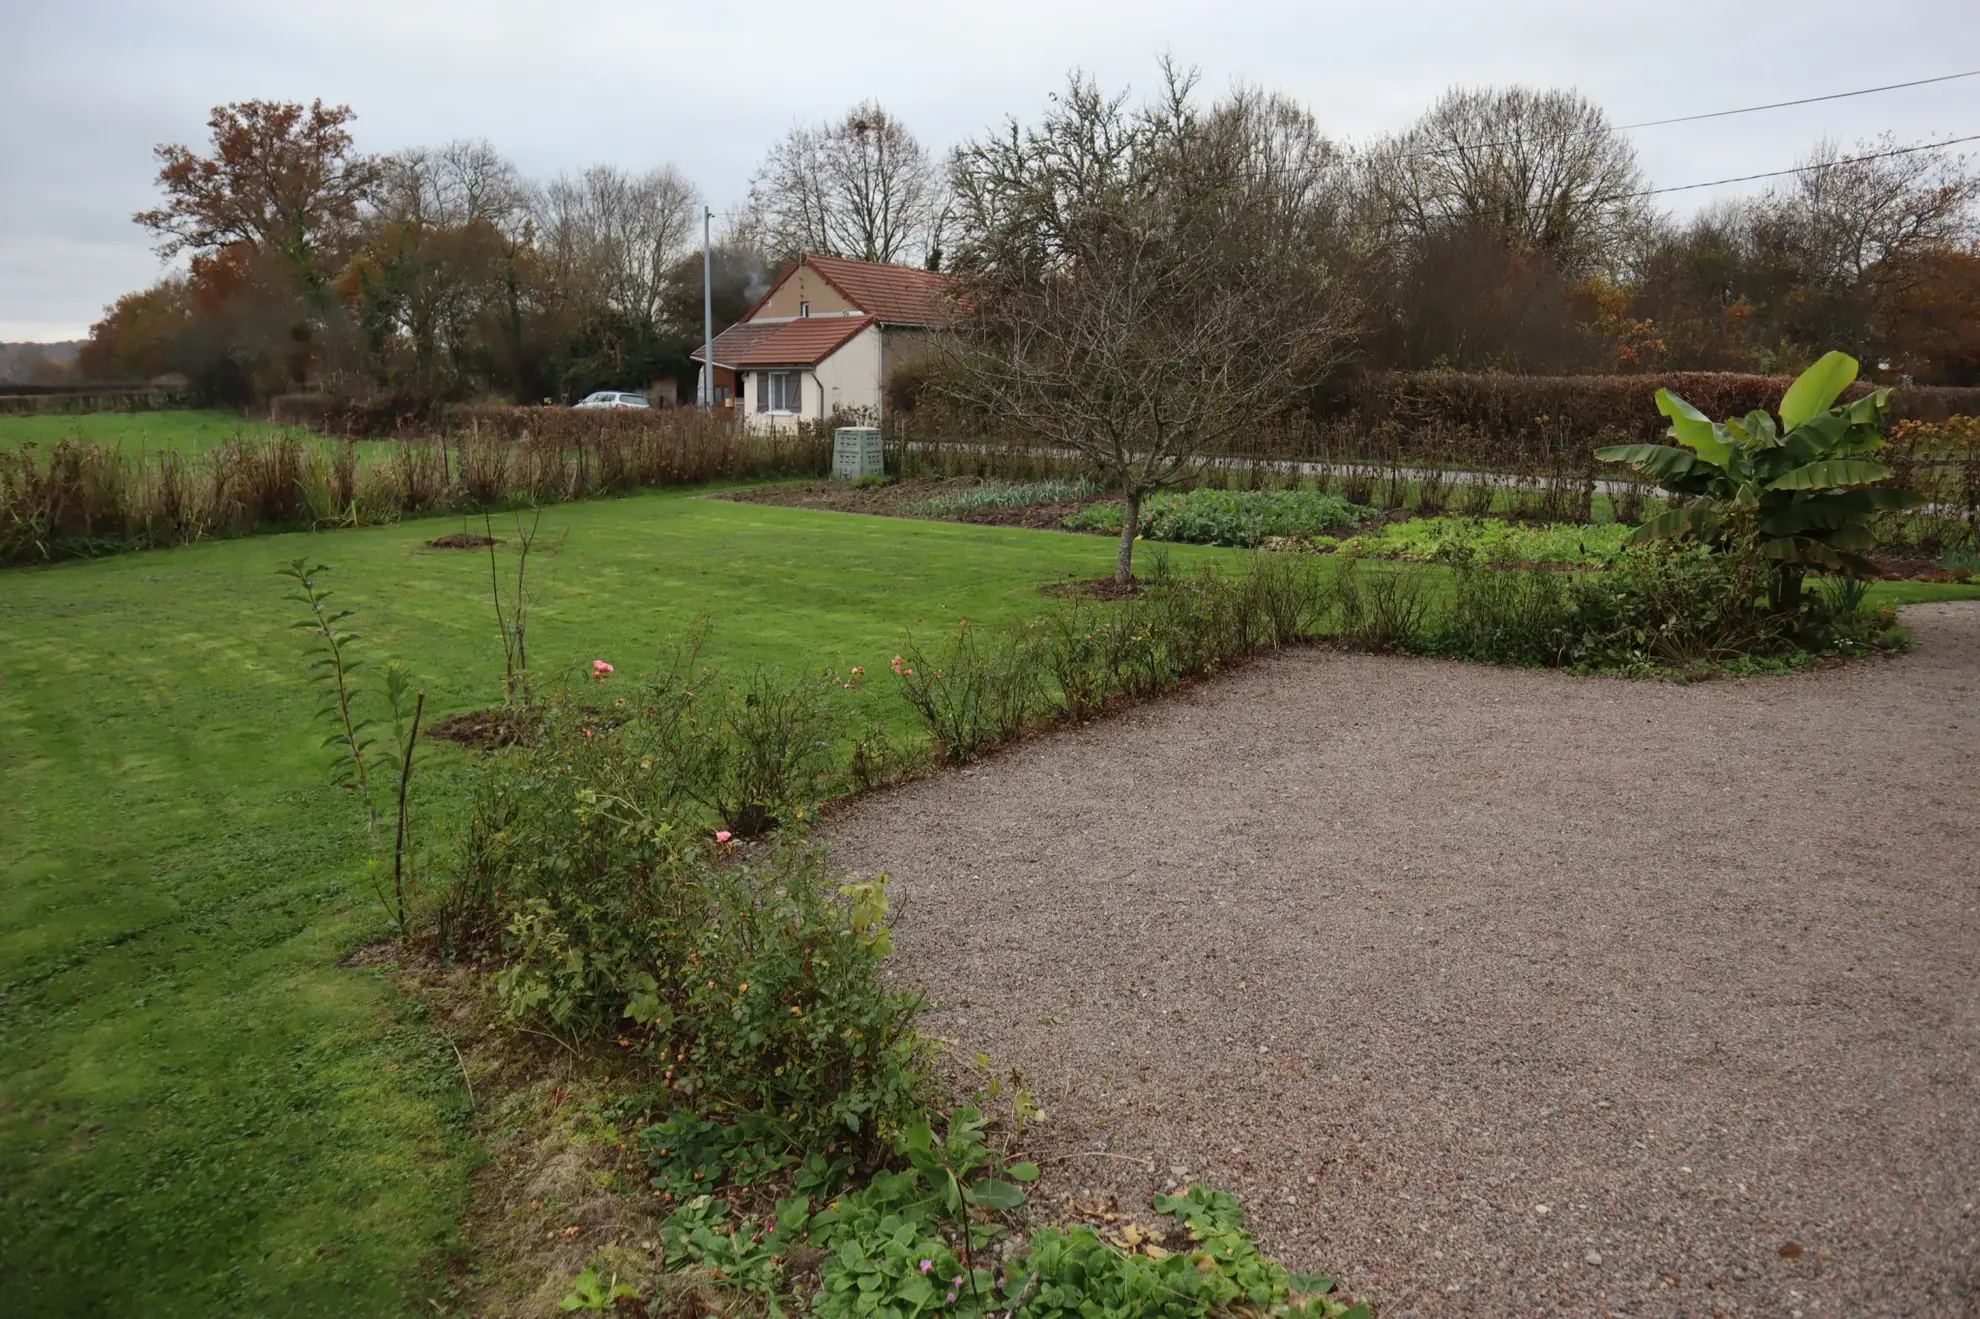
(861, 187)
(614, 238)
(1540, 171)
(282, 179)
(1142, 286)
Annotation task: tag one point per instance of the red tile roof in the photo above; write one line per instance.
(804, 342)
(895, 295)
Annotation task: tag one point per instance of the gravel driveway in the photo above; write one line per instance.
(1497, 991)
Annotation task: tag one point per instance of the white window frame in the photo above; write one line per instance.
(780, 393)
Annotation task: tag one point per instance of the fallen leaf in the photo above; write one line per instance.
(1790, 1250)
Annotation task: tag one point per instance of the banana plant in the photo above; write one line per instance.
(1801, 491)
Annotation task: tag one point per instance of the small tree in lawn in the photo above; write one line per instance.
(1141, 287)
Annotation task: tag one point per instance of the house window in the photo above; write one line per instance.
(804, 309)
(777, 391)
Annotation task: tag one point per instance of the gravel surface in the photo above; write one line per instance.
(1493, 990)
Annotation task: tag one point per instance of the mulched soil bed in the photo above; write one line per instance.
(461, 540)
(1911, 567)
(1499, 991)
(1098, 588)
(483, 730)
(897, 500)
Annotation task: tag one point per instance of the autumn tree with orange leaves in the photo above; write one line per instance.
(282, 179)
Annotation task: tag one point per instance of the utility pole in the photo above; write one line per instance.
(707, 311)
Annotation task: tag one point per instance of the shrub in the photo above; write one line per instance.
(1802, 493)
(1674, 607)
(749, 982)
(85, 499)
(1507, 616)
(758, 750)
(975, 696)
(1244, 518)
(1383, 609)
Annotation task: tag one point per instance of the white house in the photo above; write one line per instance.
(823, 340)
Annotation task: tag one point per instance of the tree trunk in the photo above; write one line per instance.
(1130, 528)
(1787, 589)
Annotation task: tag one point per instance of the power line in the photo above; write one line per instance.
(1801, 169)
(1806, 100)
(1693, 118)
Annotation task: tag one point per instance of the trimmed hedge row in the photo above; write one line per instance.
(1575, 408)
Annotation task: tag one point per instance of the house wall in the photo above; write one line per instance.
(903, 344)
(804, 285)
(848, 379)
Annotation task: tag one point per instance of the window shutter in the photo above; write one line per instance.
(762, 391)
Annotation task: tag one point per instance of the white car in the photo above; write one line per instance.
(612, 398)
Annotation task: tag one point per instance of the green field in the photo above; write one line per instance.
(189, 432)
(200, 1111)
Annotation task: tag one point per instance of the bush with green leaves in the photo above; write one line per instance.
(1506, 616)
(1446, 539)
(752, 981)
(975, 694)
(759, 749)
(1243, 518)
(983, 691)
(1674, 607)
(1801, 492)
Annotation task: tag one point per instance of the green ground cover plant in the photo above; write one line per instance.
(1244, 518)
(1027, 494)
(1493, 539)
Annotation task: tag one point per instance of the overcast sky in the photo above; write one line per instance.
(90, 87)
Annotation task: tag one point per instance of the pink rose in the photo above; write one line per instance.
(722, 835)
(600, 670)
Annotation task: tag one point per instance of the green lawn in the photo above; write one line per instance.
(189, 432)
(200, 1111)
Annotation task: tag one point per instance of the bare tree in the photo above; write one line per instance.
(862, 187)
(1543, 171)
(1855, 214)
(1141, 286)
(613, 238)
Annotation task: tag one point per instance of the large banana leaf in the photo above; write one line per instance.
(1831, 473)
(1817, 389)
(1757, 428)
(1693, 520)
(1801, 550)
(1694, 429)
(1815, 515)
(1656, 460)
(1814, 438)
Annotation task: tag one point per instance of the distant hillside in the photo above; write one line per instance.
(29, 363)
